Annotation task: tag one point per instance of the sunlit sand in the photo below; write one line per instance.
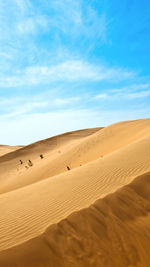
(77, 199)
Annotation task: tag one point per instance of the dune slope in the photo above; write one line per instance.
(51, 148)
(114, 231)
(79, 152)
(26, 212)
(7, 149)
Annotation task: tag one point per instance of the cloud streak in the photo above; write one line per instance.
(69, 71)
(66, 101)
(131, 92)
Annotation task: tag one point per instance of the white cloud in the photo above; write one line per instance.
(15, 108)
(94, 24)
(76, 70)
(69, 17)
(23, 5)
(133, 91)
(32, 25)
(77, 19)
(131, 88)
(65, 101)
(142, 94)
(101, 96)
(27, 26)
(5, 55)
(68, 71)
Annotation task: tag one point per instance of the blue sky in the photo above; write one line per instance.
(71, 64)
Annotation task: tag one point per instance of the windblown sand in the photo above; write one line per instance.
(95, 214)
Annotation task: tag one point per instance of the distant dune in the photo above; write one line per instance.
(85, 201)
(7, 149)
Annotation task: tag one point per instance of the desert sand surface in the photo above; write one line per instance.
(7, 149)
(95, 214)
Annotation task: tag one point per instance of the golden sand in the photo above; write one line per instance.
(95, 214)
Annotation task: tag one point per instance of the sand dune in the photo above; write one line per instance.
(105, 227)
(51, 148)
(79, 152)
(7, 149)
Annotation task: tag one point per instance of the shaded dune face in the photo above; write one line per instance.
(95, 214)
(7, 149)
(114, 231)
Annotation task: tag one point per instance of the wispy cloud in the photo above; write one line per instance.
(130, 92)
(75, 18)
(131, 88)
(101, 96)
(69, 17)
(14, 107)
(23, 5)
(32, 25)
(58, 19)
(66, 101)
(142, 94)
(69, 71)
